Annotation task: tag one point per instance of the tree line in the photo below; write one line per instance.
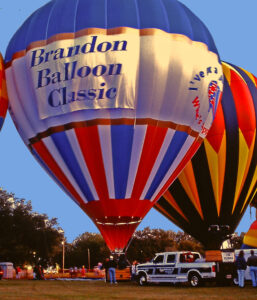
(28, 237)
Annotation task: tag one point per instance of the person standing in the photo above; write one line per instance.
(112, 270)
(252, 263)
(134, 270)
(106, 267)
(83, 271)
(241, 267)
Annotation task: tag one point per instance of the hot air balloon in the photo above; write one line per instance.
(112, 98)
(3, 93)
(210, 196)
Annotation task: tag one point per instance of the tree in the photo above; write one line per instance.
(26, 236)
(148, 241)
(184, 241)
(87, 243)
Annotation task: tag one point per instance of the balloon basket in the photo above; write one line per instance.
(224, 256)
(213, 255)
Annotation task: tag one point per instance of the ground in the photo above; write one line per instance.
(74, 290)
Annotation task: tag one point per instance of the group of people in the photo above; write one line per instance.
(241, 265)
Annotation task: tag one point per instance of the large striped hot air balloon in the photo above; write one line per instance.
(113, 97)
(211, 194)
(3, 93)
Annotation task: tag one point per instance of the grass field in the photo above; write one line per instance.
(30, 289)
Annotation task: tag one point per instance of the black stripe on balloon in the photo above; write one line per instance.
(204, 186)
(232, 154)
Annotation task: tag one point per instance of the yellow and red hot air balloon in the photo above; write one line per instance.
(3, 93)
(210, 196)
(113, 97)
(250, 238)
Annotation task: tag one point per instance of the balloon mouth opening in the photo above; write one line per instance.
(118, 221)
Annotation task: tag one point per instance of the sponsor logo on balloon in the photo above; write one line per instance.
(213, 96)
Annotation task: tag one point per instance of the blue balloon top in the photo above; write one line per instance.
(66, 16)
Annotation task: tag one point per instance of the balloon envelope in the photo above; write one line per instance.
(3, 93)
(219, 182)
(112, 98)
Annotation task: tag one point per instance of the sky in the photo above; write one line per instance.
(232, 24)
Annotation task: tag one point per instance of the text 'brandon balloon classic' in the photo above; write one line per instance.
(113, 97)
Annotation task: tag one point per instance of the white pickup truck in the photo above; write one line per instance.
(176, 267)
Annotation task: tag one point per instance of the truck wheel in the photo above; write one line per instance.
(142, 280)
(194, 280)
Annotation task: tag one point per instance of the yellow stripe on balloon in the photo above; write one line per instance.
(245, 157)
(253, 183)
(227, 72)
(217, 166)
(169, 198)
(187, 179)
(250, 75)
(250, 239)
